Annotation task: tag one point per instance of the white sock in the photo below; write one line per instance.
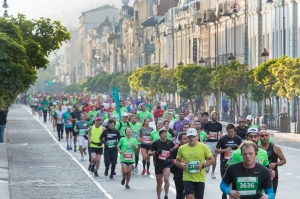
(67, 139)
(71, 141)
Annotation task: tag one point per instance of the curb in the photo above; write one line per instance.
(4, 176)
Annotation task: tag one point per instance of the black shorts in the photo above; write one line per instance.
(74, 133)
(98, 151)
(160, 169)
(110, 155)
(145, 146)
(127, 163)
(69, 130)
(196, 188)
(275, 183)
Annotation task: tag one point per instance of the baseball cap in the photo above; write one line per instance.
(139, 97)
(113, 116)
(252, 130)
(98, 119)
(249, 117)
(191, 131)
(69, 107)
(125, 114)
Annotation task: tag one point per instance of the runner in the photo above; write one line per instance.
(241, 129)
(248, 178)
(95, 145)
(53, 110)
(110, 137)
(213, 130)
(143, 114)
(249, 120)
(225, 146)
(82, 127)
(177, 172)
(75, 116)
(144, 138)
(155, 134)
(45, 106)
(263, 127)
(274, 153)
(202, 134)
(196, 157)
(136, 127)
(121, 126)
(68, 123)
(59, 122)
(126, 148)
(205, 117)
(92, 115)
(178, 125)
(161, 149)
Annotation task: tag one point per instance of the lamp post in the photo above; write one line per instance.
(265, 54)
(5, 6)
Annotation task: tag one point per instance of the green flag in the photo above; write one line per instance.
(117, 100)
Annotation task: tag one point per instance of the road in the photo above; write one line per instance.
(40, 166)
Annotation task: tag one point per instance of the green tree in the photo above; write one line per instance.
(167, 81)
(230, 80)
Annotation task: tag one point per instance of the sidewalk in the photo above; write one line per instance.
(275, 133)
(4, 180)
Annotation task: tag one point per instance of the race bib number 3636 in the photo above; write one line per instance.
(247, 186)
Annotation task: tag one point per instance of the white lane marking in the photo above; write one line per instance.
(288, 173)
(75, 160)
(279, 170)
(288, 148)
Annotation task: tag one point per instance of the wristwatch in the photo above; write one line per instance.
(202, 166)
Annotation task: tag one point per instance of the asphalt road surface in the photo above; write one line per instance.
(40, 166)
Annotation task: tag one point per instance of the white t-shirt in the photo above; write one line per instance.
(59, 116)
(64, 108)
(171, 124)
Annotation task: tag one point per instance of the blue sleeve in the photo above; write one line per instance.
(225, 187)
(270, 193)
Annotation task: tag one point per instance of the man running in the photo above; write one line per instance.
(225, 146)
(59, 122)
(96, 146)
(274, 153)
(143, 114)
(161, 149)
(136, 127)
(241, 129)
(68, 122)
(248, 178)
(249, 120)
(202, 134)
(82, 127)
(196, 157)
(110, 137)
(213, 130)
(76, 117)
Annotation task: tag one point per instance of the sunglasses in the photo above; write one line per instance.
(191, 136)
(241, 121)
(266, 135)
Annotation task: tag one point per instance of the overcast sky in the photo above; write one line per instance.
(66, 11)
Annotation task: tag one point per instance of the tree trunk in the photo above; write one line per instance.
(191, 100)
(237, 105)
(289, 120)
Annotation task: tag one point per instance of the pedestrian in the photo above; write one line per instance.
(3, 120)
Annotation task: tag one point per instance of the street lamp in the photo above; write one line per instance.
(231, 57)
(201, 60)
(265, 54)
(166, 65)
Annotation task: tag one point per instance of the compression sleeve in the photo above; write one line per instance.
(225, 187)
(270, 193)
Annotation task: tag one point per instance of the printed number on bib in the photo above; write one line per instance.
(192, 166)
(81, 131)
(247, 186)
(227, 154)
(213, 135)
(163, 155)
(128, 156)
(111, 143)
(146, 139)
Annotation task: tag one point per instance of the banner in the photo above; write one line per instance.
(116, 98)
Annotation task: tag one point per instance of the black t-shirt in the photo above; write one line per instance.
(165, 147)
(110, 138)
(225, 142)
(249, 182)
(171, 132)
(212, 130)
(242, 132)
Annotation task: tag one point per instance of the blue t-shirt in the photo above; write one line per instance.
(65, 116)
(82, 127)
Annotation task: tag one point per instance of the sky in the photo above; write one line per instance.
(67, 11)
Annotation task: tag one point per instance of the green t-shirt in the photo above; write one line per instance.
(261, 157)
(122, 128)
(92, 115)
(123, 110)
(203, 136)
(126, 147)
(253, 126)
(53, 110)
(154, 135)
(192, 156)
(141, 115)
(73, 101)
(45, 105)
(136, 129)
(115, 113)
(148, 107)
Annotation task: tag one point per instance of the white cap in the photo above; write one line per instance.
(54, 103)
(125, 114)
(69, 107)
(139, 97)
(191, 131)
(249, 117)
(252, 130)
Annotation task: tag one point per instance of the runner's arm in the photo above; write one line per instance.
(281, 157)
(89, 134)
(172, 157)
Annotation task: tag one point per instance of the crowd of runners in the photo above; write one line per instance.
(182, 143)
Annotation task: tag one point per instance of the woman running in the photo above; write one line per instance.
(126, 148)
(144, 138)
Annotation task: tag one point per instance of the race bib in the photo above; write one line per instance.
(81, 131)
(228, 154)
(146, 139)
(163, 155)
(212, 135)
(192, 166)
(247, 186)
(128, 156)
(111, 143)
